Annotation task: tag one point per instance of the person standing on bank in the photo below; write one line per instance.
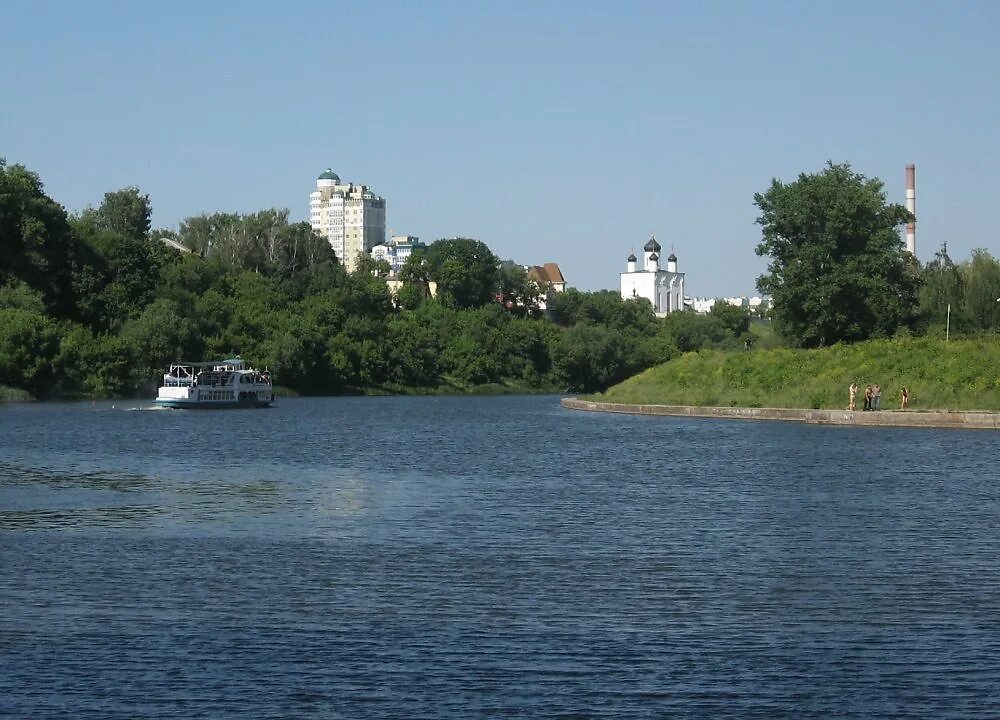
(877, 397)
(868, 397)
(853, 390)
(904, 398)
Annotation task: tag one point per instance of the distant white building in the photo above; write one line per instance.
(663, 288)
(351, 217)
(702, 304)
(755, 305)
(759, 305)
(396, 251)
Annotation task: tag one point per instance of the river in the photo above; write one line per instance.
(491, 557)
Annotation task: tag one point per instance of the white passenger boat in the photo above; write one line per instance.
(220, 384)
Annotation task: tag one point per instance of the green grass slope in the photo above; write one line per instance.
(957, 375)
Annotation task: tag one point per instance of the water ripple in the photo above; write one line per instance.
(501, 557)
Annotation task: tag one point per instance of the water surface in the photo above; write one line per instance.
(491, 557)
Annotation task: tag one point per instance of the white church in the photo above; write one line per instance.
(663, 288)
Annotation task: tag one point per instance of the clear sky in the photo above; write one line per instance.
(553, 131)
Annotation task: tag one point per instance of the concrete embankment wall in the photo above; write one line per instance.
(894, 418)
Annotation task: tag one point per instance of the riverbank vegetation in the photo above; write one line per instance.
(838, 271)
(956, 375)
(97, 304)
(850, 305)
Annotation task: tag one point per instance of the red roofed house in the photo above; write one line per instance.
(548, 276)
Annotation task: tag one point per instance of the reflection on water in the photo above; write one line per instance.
(117, 516)
(457, 557)
(60, 479)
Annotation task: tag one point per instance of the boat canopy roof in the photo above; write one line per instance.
(235, 363)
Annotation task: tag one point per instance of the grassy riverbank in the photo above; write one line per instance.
(454, 386)
(957, 375)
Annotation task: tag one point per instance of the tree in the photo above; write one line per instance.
(160, 335)
(197, 233)
(603, 307)
(474, 352)
(219, 235)
(590, 357)
(28, 343)
(264, 241)
(413, 351)
(942, 291)
(368, 265)
(305, 250)
(567, 308)
(736, 319)
(466, 272)
(18, 295)
(92, 365)
(982, 288)
(125, 212)
(410, 297)
(120, 276)
(691, 332)
(267, 230)
(838, 270)
(519, 293)
(415, 276)
(37, 244)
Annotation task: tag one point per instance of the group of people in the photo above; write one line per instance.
(873, 397)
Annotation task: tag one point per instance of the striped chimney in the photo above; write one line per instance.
(911, 205)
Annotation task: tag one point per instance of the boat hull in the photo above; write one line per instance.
(179, 404)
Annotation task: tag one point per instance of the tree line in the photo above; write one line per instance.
(97, 304)
(838, 271)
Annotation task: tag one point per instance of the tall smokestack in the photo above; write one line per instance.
(911, 205)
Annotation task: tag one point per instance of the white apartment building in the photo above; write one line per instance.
(703, 304)
(396, 251)
(756, 305)
(351, 217)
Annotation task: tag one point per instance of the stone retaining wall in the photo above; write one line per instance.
(895, 418)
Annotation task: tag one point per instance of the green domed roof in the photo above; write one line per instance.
(329, 174)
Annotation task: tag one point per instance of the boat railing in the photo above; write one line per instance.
(214, 374)
(174, 381)
(179, 376)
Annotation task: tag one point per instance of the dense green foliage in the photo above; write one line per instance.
(37, 244)
(838, 270)
(97, 305)
(939, 375)
(467, 273)
(608, 340)
(961, 298)
(125, 213)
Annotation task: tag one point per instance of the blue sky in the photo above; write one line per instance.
(553, 131)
